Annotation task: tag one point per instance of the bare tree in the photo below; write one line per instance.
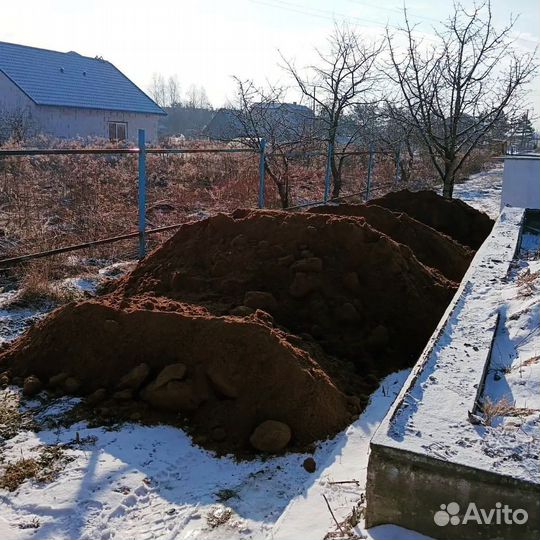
(158, 89)
(455, 91)
(16, 125)
(173, 91)
(344, 77)
(197, 98)
(263, 114)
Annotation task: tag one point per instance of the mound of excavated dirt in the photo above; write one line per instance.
(228, 375)
(361, 295)
(203, 328)
(453, 217)
(429, 246)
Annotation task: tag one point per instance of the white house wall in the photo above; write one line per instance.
(11, 97)
(71, 122)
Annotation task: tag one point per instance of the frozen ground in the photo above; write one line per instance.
(136, 482)
(482, 191)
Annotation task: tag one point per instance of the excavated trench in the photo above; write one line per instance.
(259, 329)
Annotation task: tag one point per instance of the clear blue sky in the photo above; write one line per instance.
(207, 41)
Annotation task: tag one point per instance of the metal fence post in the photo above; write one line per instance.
(142, 193)
(369, 171)
(262, 158)
(329, 157)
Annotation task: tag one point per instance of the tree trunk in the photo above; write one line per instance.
(284, 193)
(336, 179)
(449, 177)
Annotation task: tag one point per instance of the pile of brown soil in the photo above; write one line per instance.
(261, 328)
(429, 246)
(236, 374)
(361, 295)
(453, 217)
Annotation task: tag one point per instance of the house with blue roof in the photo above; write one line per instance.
(68, 95)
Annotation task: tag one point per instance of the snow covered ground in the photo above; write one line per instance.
(483, 191)
(152, 482)
(137, 482)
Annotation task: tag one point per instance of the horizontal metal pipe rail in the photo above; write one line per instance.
(113, 151)
(40, 254)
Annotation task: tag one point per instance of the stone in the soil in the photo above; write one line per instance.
(241, 311)
(260, 300)
(172, 372)
(175, 396)
(221, 383)
(96, 397)
(310, 465)
(134, 378)
(71, 385)
(58, 380)
(32, 386)
(123, 395)
(271, 436)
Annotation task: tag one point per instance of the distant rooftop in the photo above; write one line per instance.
(72, 80)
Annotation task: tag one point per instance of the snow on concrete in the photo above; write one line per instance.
(430, 417)
(482, 191)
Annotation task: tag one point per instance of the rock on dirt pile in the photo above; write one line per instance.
(453, 217)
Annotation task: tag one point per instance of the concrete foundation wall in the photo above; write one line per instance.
(407, 488)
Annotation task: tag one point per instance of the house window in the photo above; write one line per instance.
(117, 131)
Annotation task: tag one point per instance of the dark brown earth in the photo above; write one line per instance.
(430, 247)
(333, 277)
(451, 217)
(258, 329)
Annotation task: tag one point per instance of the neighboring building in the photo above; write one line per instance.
(285, 121)
(184, 121)
(68, 95)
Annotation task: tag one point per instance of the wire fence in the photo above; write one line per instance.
(82, 192)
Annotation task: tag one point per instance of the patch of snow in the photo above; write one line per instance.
(151, 482)
(482, 191)
(15, 320)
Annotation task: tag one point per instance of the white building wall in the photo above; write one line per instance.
(71, 122)
(11, 97)
(521, 182)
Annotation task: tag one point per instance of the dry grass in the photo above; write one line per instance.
(503, 407)
(44, 468)
(12, 420)
(218, 517)
(527, 282)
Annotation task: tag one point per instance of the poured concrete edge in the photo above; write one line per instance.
(423, 454)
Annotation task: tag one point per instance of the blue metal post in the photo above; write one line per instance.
(142, 193)
(369, 171)
(327, 175)
(262, 157)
